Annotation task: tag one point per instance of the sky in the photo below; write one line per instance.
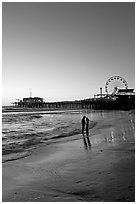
(65, 51)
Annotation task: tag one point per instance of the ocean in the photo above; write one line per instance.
(24, 131)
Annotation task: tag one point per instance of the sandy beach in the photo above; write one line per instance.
(74, 171)
(68, 101)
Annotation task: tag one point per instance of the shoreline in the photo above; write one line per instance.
(29, 110)
(17, 109)
(73, 171)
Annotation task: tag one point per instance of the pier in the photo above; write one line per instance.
(106, 103)
(117, 97)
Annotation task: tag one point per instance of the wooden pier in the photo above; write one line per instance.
(118, 102)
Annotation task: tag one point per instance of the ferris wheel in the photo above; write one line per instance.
(114, 83)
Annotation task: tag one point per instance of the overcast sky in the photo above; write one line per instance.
(65, 51)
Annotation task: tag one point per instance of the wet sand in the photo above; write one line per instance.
(73, 171)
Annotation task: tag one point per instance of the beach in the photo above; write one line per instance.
(76, 170)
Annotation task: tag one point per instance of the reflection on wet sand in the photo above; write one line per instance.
(111, 127)
(113, 134)
(87, 143)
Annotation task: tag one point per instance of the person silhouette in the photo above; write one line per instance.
(87, 126)
(87, 132)
(83, 122)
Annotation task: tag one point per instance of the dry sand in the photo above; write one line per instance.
(72, 171)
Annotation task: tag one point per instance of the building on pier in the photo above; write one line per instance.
(31, 102)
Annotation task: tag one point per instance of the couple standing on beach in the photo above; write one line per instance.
(85, 125)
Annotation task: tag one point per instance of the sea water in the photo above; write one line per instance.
(23, 131)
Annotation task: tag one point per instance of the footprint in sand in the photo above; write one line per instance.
(99, 172)
(109, 173)
(56, 196)
(131, 188)
(79, 181)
